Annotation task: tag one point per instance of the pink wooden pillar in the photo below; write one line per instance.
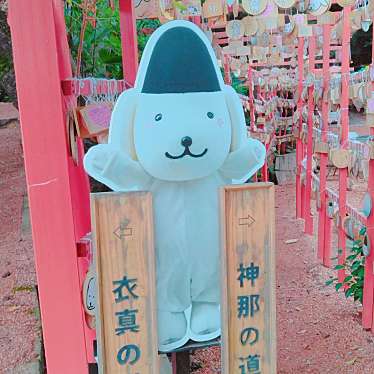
(327, 244)
(196, 20)
(308, 226)
(344, 103)
(57, 189)
(264, 169)
(226, 69)
(368, 293)
(299, 145)
(323, 220)
(79, 186)
(129, 40)
(251, 98)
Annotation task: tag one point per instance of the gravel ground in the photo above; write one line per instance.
(18, 301)
(319, 331)
(8, 113)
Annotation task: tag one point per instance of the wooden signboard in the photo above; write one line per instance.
(248, 279)
(122, 227)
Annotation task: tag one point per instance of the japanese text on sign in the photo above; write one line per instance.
(248, 305)
(126, 319)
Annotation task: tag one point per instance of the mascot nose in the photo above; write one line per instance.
(186, 141)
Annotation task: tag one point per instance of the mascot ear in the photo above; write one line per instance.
(121, 131)
(238, 126)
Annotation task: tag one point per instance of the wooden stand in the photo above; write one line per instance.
(248, 279)
(123, 241)
(180, 358)
(122, 225)
(181, 362)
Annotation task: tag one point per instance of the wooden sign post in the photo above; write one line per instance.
(248, 280)
(122, 227)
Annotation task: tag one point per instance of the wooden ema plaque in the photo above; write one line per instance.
(146, 9)
(122, 227)
(248, 279)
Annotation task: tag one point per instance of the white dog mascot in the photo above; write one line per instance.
(181, 134)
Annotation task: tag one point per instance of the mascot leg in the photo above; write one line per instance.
(173, 296)
(205, 318)
(172, 327)
(205, 314)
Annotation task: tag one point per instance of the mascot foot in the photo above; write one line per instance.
(205, 318)
(171, 327)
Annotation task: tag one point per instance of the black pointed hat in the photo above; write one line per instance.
(180, 62)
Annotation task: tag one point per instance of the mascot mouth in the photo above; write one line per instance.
(186, 152)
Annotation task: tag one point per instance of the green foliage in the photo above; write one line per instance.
(102, 52)
(7, 85)
(241, 88)
(141, 26)
(23, 288)
(6, 65)
(354, 267)
(239, 85)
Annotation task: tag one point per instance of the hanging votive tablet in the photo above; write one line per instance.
(285, 4)
(235, 29)
(366, 205)
(250, 25)
(254, 7)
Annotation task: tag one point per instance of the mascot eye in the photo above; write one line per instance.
(210, 115)
(158, 117)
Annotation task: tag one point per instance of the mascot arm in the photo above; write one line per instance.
(115, 169)
(246, 155)
(115, 164)
(244, 162)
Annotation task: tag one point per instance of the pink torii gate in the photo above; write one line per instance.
(302, 198)
(58, 189)
(368, 300)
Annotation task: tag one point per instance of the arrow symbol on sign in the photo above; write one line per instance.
(247, 221)
(123, 231)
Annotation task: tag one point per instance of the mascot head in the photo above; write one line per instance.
(180, 121)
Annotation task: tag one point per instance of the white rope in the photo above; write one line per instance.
(95, 95)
